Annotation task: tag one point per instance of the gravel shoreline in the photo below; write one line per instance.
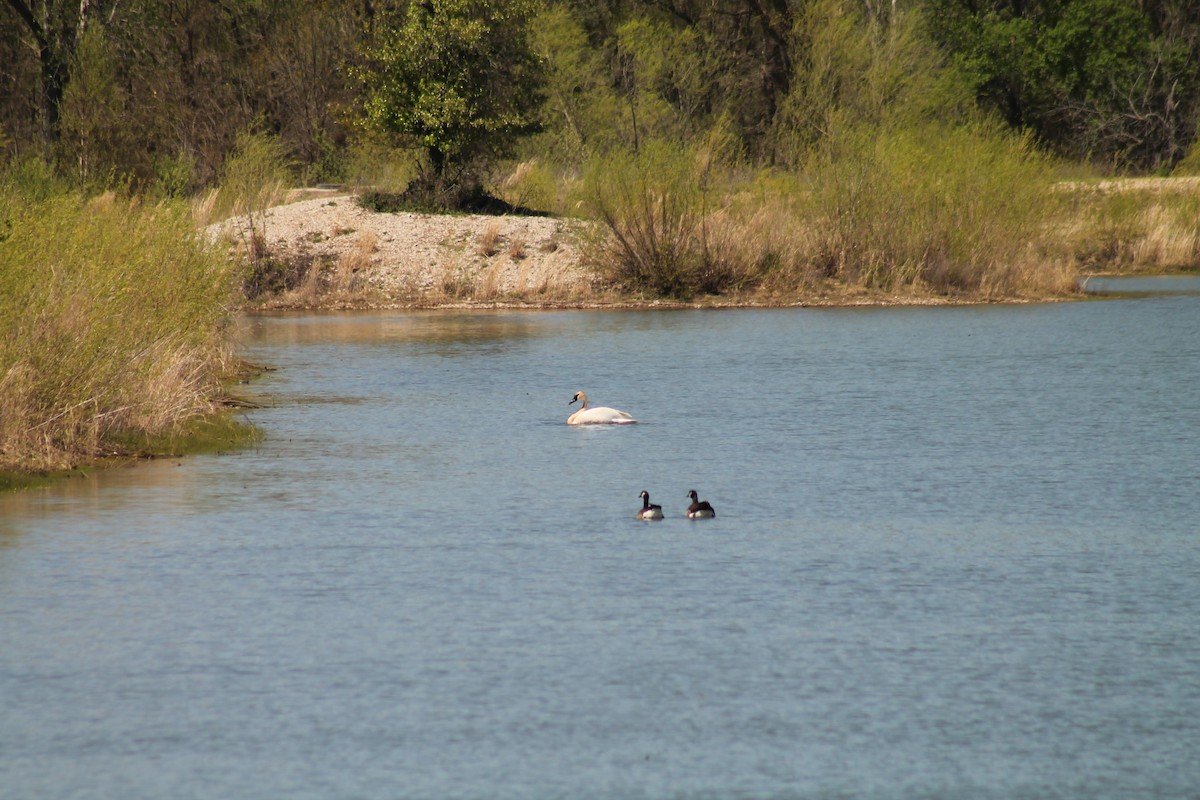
(406, 258)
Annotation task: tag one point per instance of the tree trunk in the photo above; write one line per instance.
(437, 162)
(53, 69)
(54, 81)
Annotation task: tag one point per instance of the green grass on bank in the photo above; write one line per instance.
(216, 433)
(114, 324)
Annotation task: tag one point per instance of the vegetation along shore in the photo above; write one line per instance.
(548, 154)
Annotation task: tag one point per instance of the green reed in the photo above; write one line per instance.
(951, 210)
(114, 321)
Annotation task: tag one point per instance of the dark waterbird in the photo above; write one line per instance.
(699, 509)
(648, 511)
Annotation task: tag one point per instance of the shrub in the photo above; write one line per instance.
(952, 208)
(113, 320)
(658, 205)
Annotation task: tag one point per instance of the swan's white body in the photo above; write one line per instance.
(648, 511)
(599, 415)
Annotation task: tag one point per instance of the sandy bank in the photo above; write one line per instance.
(418, 259)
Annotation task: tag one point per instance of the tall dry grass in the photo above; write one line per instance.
(113, 320)
(1132, 225)
(350, 267)
(927, 208)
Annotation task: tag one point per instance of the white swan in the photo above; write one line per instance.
(699, 509)
(648, 511)
(596, 416)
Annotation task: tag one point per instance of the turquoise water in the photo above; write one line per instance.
(956, 555)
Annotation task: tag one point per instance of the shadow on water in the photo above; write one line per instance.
(383, 327)
(1140, 285)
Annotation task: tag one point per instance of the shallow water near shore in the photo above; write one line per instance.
(1144, 285)
(956, 555)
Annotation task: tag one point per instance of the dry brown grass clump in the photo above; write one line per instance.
(355, 262)
(489, 240)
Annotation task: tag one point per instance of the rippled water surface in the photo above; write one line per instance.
(956, 555)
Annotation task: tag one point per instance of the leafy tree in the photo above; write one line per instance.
(53, 28)
(148, 91)
(187, 64)
(459, 79)
(94, 128)
(582, 110)
(1114, 80)
(683, 66)
(299, 80)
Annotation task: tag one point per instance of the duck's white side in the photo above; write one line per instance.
(599, 415)
(648, 511)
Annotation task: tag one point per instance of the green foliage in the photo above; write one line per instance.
(300, 85)
(254, 175)
(953, 208)
(32, 178)
(582, 112)
(378, 166)
(537, 186)
(135, 82)
(657, 204)
(1110, 80)
(114, 317)
(934, 207)
(174, 177)
(96, 139)
(253, 179)
(726, 143)
(1189, 165)
(153, 93)
(894, 185)
(669, 75)
(855, 71)
(458, 78)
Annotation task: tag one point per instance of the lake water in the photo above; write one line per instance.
(1140, 284)
(957, 555)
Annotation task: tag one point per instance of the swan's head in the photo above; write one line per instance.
(579, 397)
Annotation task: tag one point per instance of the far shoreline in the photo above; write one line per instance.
(342, 257)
